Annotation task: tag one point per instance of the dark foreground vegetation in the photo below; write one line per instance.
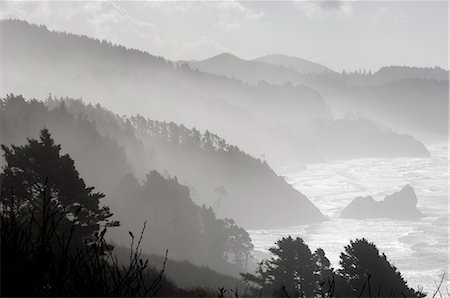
(52, 233)
(53, 244)
(294, 271)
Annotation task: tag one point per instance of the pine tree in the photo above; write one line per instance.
(369, 273)
(290, 272)
(37, 174)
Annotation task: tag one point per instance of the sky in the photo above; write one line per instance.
(348, 35)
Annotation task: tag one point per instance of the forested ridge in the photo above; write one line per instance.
(410, 100)
(276, 117)
(219, 174)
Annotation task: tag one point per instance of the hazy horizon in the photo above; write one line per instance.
(341, 35)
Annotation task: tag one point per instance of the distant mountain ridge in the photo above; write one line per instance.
(290, 63)
(412, 100)
(265, 68)
(294, 63)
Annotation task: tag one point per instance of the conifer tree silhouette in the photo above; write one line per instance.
(37, 171)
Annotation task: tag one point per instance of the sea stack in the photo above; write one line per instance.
(399, 205)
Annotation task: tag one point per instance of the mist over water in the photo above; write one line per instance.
(419, 249)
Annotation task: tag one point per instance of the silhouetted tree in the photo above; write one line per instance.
(239, 243)
(292, 271)
(325, 273)
(370, 274)
(215, 237)
(37, 171)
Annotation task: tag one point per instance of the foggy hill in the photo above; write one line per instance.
(412, 100)
(357, 137)
(260, 119)
(202, 160)
(425, 102)
(414, 106)
(37, 61)
(221, 175)
(214, 170)
(294, 63)
(340, 138)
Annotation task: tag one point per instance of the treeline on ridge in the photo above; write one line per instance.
(218, 174)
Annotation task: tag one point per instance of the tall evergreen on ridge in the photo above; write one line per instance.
(38, 172)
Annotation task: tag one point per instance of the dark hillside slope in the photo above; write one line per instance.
(184, 274)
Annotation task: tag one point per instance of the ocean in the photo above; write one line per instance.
(419, 249)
